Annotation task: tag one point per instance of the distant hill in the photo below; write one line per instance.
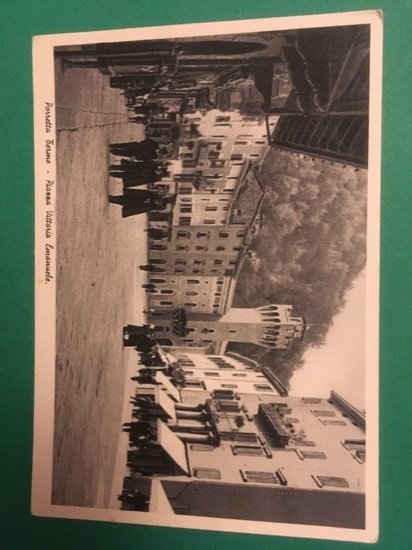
(311, 247)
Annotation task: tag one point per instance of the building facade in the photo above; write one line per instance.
(251, 452)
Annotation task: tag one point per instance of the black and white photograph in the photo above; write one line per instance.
(207, 262)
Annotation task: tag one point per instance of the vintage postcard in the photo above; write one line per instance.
(207, 260)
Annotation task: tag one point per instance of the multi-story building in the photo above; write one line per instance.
(227, 374)
(229, 142)
(250, 452)
(197, 249)
(272, 326)
(200, 293)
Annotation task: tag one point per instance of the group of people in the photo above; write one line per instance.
(147, 167)
(139, 172)
(142, 339)
(151, 268)
(134, 500)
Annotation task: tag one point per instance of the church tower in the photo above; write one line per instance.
(272, 326)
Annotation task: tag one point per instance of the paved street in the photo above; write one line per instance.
(97, 278)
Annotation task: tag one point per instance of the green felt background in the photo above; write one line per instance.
(20, 20)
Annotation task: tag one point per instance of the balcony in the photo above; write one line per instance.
(271, 417)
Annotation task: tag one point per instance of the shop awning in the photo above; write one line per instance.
(159, 503)
(170, 389)
(172, 445)
(165, 403)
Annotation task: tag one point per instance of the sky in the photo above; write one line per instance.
(339, 363)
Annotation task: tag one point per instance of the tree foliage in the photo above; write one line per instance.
(310, 248)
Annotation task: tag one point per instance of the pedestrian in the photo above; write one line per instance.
(144, 380)
(134, 330)
(150, 286)
(136, 181)
(136, 500)
(151, 268)
(136, 197)
(145, 149)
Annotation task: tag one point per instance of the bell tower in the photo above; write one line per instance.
(272, 326)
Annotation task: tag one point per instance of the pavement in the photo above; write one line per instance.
(98, 288)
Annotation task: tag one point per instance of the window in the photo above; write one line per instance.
(207, 473)
(241, 142)
(184, 189)
(260, 142)
(223, 234)
(211, 208)
(185, 208)
(330, 481)
(220, 119)
(262, 387)
(183, 220)
(333, 422)
(236, 156)
(357, 447)
(220, 248)
(254, 155)
(226, 404)
(193, 281)
(313, 400)
(193, 383)
(199, 447)
(201, 234)
(166, 303)
(323, 413)
(245, 437)
(215, 176)
(183, 235)
(181, 248)
(234, 386)
(157, 261)
(212, 374)
(225, 366)
(218, 262)
(157, 281)
(192, 293)
(311, 454)
(167, 291)
(247, 450)
(354, 444)
(190, 304)
(259, 477)
(158, 247)
(239, 374)
(200, 248)
(209, 222)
